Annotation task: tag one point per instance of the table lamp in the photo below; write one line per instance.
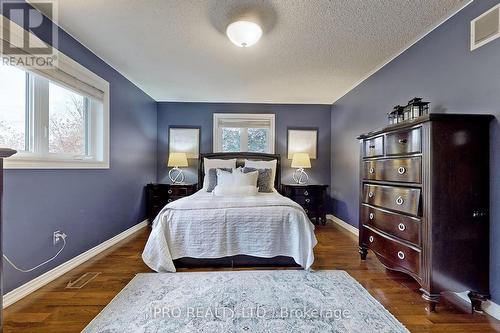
(176, 160)
(301, 161)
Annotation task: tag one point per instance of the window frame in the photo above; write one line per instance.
(98, 131)
(217, 130)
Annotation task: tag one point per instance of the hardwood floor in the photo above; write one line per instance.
(54, 308)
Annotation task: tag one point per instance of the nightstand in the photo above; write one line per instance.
(312, 197)
(159, 195)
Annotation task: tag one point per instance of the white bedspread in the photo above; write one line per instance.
(206, 226)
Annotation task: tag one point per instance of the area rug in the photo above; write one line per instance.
(245, 301)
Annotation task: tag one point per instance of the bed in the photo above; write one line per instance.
(206, 230)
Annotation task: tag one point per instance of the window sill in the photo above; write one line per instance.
(33, 163)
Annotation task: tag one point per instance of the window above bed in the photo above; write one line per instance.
(244, 132)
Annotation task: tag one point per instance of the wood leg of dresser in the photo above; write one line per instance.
(432, 300)
(477, 300)
(363, 252)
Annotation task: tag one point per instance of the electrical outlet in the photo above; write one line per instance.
(58, 235)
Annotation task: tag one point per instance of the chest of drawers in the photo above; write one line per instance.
(424, 202)
(312, 197)
(159, 195)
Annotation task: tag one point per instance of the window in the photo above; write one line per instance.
(68, 119)
(244, 132)
(50, 124)
(13, 109)
(56, 117)
(231, 139)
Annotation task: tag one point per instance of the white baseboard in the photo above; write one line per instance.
(343, 224)
(490, 307)
(40, 281)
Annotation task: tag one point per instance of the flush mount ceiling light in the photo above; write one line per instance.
(244, 33)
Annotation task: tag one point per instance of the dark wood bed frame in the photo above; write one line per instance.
(238, 260)
(240, 161)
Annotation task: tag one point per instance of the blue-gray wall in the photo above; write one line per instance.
(287, 115)
(90, 206)
(441, 69)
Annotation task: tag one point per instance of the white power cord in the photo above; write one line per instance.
(63, 236)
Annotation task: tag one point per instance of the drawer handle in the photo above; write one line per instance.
(370, 194)
(401, 170)
(400, 200)
(169, 200)
(169, 191)
(401, 255)
(479, 213)
(402, 141)
(371, 239)
(372, 170)
(401, 227)
(308, 200)
(306, 211)
(306, 193)
(372, 216)
(372, 146)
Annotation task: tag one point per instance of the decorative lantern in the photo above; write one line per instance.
(395, 116)
(407, 113)
(418, 108)
(400, 114)
(392, 116)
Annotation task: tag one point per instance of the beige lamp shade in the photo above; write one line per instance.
(301, 161)
(177, 160)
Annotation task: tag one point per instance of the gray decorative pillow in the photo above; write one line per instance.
(212, 177)
(263, 180)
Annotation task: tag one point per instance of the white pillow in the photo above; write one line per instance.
(214, 164)
(264, 165)
(239, 191)
(245, 179)
(237, 178)
(225, 178)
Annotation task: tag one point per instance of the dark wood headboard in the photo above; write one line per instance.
(240, 161)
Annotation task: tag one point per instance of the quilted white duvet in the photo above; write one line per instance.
(207, 226)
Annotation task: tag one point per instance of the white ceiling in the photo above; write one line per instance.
(312, 51)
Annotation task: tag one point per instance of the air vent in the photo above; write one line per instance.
(485, 28)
